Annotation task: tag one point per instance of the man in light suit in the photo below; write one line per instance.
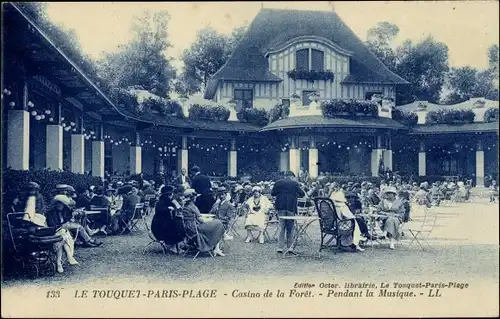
(183, 179)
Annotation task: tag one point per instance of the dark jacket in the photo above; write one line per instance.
(100, 201)
(128, 206)
(82, 201)
(56, 218)
(287, 191)
(201, 184)
(166, 226)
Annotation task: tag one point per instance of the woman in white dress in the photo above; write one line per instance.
(258, 208)
(343, 211)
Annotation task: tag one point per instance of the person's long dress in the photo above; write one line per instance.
(207, 234)
(392, 223)
(344, 213)
(256, 218)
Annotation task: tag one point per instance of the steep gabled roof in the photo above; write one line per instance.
(272, 27)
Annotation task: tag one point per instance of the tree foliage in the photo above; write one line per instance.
(423, 64)
(205, 56)
(142, 62)
(467, 82)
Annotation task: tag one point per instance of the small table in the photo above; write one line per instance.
(208, 216)
(303, 223)
(372, 219)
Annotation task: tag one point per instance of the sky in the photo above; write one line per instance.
(468, 28)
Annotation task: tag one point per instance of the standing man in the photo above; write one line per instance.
(183, 179)
(287, 191)
(202, 185)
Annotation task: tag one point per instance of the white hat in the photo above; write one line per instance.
(257, 189)
(390, 189)
(190, 193)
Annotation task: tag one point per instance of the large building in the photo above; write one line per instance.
(55, 116)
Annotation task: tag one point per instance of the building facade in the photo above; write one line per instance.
(56, 117)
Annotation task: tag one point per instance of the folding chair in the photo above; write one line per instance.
(303, 209)
(272, 219)
(131, 225)
(421, 231)
(240, 212)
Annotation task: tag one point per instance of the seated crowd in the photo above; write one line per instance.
(193, 211)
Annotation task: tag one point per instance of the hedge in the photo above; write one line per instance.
(253, 116)
(15, 183)
(352, 108)
(209, 113)
(278, 112)
(164, 106)
(404, 117)
(491, 115)
(450, 116)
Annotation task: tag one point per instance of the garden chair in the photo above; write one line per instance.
(422, 228)
(302, 208)
(328, 221)
(138, 215)
(272, 219)
(35, 253)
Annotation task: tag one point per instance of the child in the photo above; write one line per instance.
(493, 191)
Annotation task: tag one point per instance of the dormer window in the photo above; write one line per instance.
(309, 59)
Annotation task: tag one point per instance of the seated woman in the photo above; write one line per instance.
(165, 225)
(224, 210)
(258, 208)
(207, 234)
(394, 211)
(344, 213)
(60, 215)
(34, 217)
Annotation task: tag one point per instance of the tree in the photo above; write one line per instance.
(143, 61)
(466, 82)
(424, 65)
(206, 56)
(379, 40)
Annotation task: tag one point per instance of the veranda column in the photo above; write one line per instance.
(54, 143)
(232, 160)
(136, 155)
(78, 148)
(183, 154)
(313, 158)
(377, 154)
(422, 161)
(479, 164)
(294, 155)
(18, 131)
(388, 153)
(98, 153)
(284, 157)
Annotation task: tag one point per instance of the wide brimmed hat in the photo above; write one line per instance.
(222, 189)
(125, 189)
(63, 199)
(238, 188)
(247, 187)
(167, 189)
(190, 193)
(33, 186)
(392, 190)
(257, 189)
(110, 189)
(64, 187)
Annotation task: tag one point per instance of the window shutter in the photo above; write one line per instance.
(302, 59)
(317, 60)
